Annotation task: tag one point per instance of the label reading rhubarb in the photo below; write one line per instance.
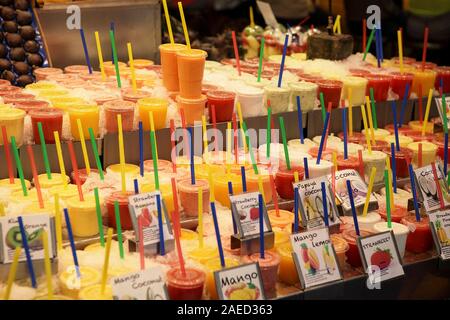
(440, 226)
(143, 206)
(148, 284)
(240, 283)
(380, 257)
(429, 190)
(311, 205)
(245, 209)
(315, 258)
(34, 226)
(439, 107)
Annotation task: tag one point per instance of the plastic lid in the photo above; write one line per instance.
(173, 46)
(275, 89)
(94, 292)
(120, 197)
(119, 105)
(12, 114)
(153, 102)
(398, 228)
(82, 108)
(330, 83)
(186, 185)
(202, 99)
(376, 155)
(88, 203)
(89, 276)
(46, 113)
(350, 235)
(339, 243)
(193, 53)
(215, 264)
(270, 259)
(426, 146)
(220, 94)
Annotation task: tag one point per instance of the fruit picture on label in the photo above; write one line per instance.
(329, 261)
(310, 259)
(146, 218)
(442, 235)
(381, 258)
(242, 291)
(14, 238)
(445, 194)
(254, 213)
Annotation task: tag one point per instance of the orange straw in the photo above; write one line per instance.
(174, 148)
(425, 46)
(73, 159)
(35, 176)
(177, 226)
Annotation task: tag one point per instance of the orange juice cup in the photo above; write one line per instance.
(253, 183)
(158, 107)
(221, 187)
(189, 196)
(142, 63)
(191, 64)
(340, 246)
(425, 78)
(287, 272)
(194, 109)
(285, 218)
(116, 107)
(169, 64)
(89, 117)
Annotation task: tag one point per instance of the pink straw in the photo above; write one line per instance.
(236, 52)
(141, 240)
(35, 176)
(177, 226)
(185, 137)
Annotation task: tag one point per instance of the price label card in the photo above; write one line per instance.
(381, 258)
(240, 283)
(148, 284)
(144, 204)
(11, 237)
(429, 192)
(439, 107)
(267, 13)
(315, 258)
(245, 209)
(440, 227)
(311, 204)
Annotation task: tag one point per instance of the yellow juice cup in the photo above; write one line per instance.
(131, 170)
(403, 140)
(54, 297)
(56, 180)
(142, 63)
(158, 107)
(34, 208)
(187, 234)
(71, 285)
(64, 103)
(89, 117)
(287, 273)
(416, 125)
(214, 265)
(52, 93)
(94, 292)
(83, 216)
(202, 255)
(64, 192)
(13, 120)
(281, 237)
(425, 78)
(285, 218)
(358, 86)
(18, 197)
(98, 247)
(380, 134)
(166, 192)
(221, 187)
(42, 85)
(185, 161)
(428, 152)
(16, 186)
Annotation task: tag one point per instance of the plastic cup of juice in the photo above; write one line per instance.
(212, 266)
(71, 285)
(261, 84)
(253, 183)
(351, 162)
(319, 170)
(221, 187)
(358, 86)
(83, 175)
(417, 126)
(426, 79)
(94, 292)
(166, 192)
(169, 64)
(16, 186)
(14, 97)
(43, 73)
(419, 238)
(251, 100)
(378, 160)
(282, 236)
(269, 270)
(76, 69)
(185, 287)
(380, 84)
(194, 109)
(279, 98)
(64, 103)
(402, 160)
(202, 255)
(158, 107)
(367, 222)
(56, 180)
(417, 136)
(397, 214)
(400, 233)
(163, 165)
(189, 196)
(89, 117)
(341, 247)
(191, 65)
(42, 85)
(284, 179)
(83, 215)
(379, 134)
(403, 140)
(307, 91)
(52, 93)
(116, 107)
(439, 142)
(399, 82)
(28, 105)
(131, 170)
(283, 219)
(429, 151)
(331, 90)
(128, 94)
(287, 272)
(404, 130)
(122, 199)
(51, 120)
(13, 120)
(64, 192)
(352, 254)
(223, 102)
(327, 153)
(442, 75)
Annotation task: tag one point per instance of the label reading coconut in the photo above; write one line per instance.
(315, 258)
(381, 258)
(429, 192)
(359, 190)
(143, 206)
(11, 237)
(267, 13)
(240, 283)
(311, 205)
(148, 284)
(245, 208)
(439, 107)
(440, 227)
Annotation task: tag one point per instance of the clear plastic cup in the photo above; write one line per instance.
(251, 100)
(331, 90)
(341, 247)
(352, 254)
(417, 126)
(68, 280)
(14, 97)
(51, 120)
(399, 82)
(56, 180)
(124, 213)
(319, 170)
(64, 103)
(169, 64)
(307, 91)
(113, 109)
(13, 120)
(83, 216)
(376, 159)
(400, 233)
(212, 266)
(191, 65)
(185, 287)
(282, 220)
(404, 141)
(269, 270)
(426, 79)
(27, 106)
(279, 98)
(223, 102)
(358, 86)
(380, 84)
(77, 69)
(89, 117)
(419, 238)
(397, 213)
(429, 151)
(194, 109)
(133, 96)
(158, 107)
(287, 272)
(189, 196)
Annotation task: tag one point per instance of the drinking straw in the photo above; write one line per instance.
(361, 163)
(185, 136)
(268, 133)
(244, 181)
(369, 119)
(274, 193)
(283, 137)
(183, 22)
(141, 149)
(106, 260)
(337, 25)
(236, 52)
(369, 190)
(228, 148)
(444, 113)
(169, 25)
(235, 137)
(230, 193)
(413, 191)
(205, 135)
(116, 63)
(296, 179)
(328, 127)
(261, 56)
(12, 273)
(344, 129)
(400, 50)
(420, 98)
(217, 230)
(8, 155)
(388, 198)
(35, 176)
(327, 119)
(388, 166)
(333, 175)
(300, 119)
(419, 155)
(119, 228)
(19, 165)
(73, 159)
(96, 156)
(252, 20)
(445, 153)
(296, 218)
(72, 242)
(305, 164)
(48, 268)
(394, 168)
(133, 71)
(438, 185)
(160, 225)
(58, 225)
(404, 101)
(100, 55)
(136, 186)
(44, 151)
(121, 152)
(380, 31)
(366, 129)
(325, 204)
(352, 204)
(283, 58)
(369, 42)
(350, 112)
(177, 227)
(364, 33)
(425, 46)
(27, 252)
(322, 105)
(261, 226)
(154, 152)
(241, 121)
(83, 147)
(141, 242)
(174, 149)
(86, 52)
(192, 159)
(200, 217)
(374, 109)
(427, 111)
(378, 47)
(216, 139)
(98, 211)
(394, 114)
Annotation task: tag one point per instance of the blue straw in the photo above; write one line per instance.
(244, 181)
(261, 226)
(322, 141)
(300, 119)
(230, 192)
(413, 190)
(445, 153)
(219, 240)
(377, 46)
(352, 203)
(136, 186)
(27, 253)
(72, 242)
(394, 168)
(394, 114)
(113, 29)
(160, 225)
(344, 129)
(86, 52)
(141, 149)
(325, 205)
(381, 44)
(282, 60)
(192, 157)
(305, 163)
(403, 109)
(296, 209)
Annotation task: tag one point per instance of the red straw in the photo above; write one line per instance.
(185, 137)
(235, 138)
(174, 150)
(419, 156)
(274, 192)
(361, 163)
(141, 240)
(35, 176)
(73, 159)
(420, 104)
(364, 29)
(177, 227)
(438, 185)
(216, 143)
(425, 46)
(236, 52)
(8, 155)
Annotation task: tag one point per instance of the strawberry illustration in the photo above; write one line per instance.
(254, 213)
(146, 218)
(381, 258)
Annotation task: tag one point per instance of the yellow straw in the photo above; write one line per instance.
(369, 115)
(241, 121)
(2, 210)
(296, 179)
(350, 113)
(369, 190)
(200, 217)
(58, 225)
(211, 186)
(133, 72)
(169, 25)
(183, 22)
(252, 19)
(205, 135)
(391, 191)
(337, 25)
(48, 267)
(335, 160)
(100, 55)
(106, 261)
(366, 129)
(121, 152)
(83, 147)
(427, 111)
(400, 49)
(62, 167)
(228, 155)
(260, 187)
(12, 273)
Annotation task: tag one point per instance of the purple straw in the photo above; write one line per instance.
(141, 149)
(86, 52)
(72, 242)
(296, 209)
(394, 168)
(160, 226)
(305, 164)
(403, 109)
(322, 141)
(280, 77)
(219, 240)
(325, 205)
(244, 181)
(352, 203)
(394, 114)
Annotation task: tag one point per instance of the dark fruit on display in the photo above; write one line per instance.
(13, 40)
(10, 26)
(35, 60)
(5, 64)
(17, 54)
(3, 51)
(31, 46)
(8, 75)
(21, 68)
(27, 33)
(24, 80)
(5, 2)
(23, 17)
(8, 13)
(2, 37)
(21, 4)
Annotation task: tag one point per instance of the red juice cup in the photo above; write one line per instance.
(269, 270)
(442, 74)
(419, 238)
(185, 287)
(360, 72)
(439, 141)
(406, 60)
(284, 179)
(417, 136)
(223, 102)
(351, 162)
(27, 106)
(401, 130)
(327, 153)
(209, 87)
(125, 219)
(396, 215)
(399, 82)
(331, 90)
(357, 137)
(51, 120)
(380, 84)
(82, 174)
(116, 107)
(353, 257)
(189, 196)
(402, 159)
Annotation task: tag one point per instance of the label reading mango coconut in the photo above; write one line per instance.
(440, 227)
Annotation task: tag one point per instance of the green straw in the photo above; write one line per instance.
(250, 149)
(322, 105)
(269, 133)
(388, 199)
(155, 160)
(44, 151)
(374, 110)
(369, 42)
(119, 228)
(96, 156)
(283, 136)
(261, 55)
(444, 113)
(116, 64)
(99, 217)
(19, 165)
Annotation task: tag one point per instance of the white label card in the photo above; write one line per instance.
(440, 223)
(439, 106)
(267, 13)
(428, 187)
